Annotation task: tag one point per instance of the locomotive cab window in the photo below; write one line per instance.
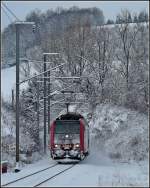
(63, 127)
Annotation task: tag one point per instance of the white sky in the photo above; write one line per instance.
(110, 8)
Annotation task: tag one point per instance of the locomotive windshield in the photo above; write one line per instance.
(67, 126)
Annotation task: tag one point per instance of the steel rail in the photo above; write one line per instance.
(11, 182)
(54, 176)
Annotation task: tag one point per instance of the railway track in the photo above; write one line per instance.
(28, 175)
(39, 176)
(57, 174)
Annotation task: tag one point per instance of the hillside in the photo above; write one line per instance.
(118, 147)
(96, 69)
(120, 132)
(111, 61)
(49, 24)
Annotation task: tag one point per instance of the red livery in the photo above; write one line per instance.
(69, 137)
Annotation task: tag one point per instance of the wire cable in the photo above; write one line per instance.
(9, 18)
(11, 12)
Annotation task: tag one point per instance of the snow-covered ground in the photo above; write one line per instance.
(96, 170)
(122, 132)
(116, 157)
(8, 80)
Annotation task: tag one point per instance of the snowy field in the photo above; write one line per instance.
(96, 170)
(8, 81)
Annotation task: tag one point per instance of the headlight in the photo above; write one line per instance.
(66, 135)
(56, 145)
(77, 145)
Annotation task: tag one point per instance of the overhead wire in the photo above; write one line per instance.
(11, 12)
(11, 21)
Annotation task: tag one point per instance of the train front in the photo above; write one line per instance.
(65, 139)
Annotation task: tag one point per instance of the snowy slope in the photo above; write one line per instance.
(7, 122)
(121, 132)
(8, 80)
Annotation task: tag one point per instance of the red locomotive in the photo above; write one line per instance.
(69, 137)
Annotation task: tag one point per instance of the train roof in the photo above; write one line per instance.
(70, 116)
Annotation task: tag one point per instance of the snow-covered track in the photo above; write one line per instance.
(11, 182)
(54, 176)
(40, 177)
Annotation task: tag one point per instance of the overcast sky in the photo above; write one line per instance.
(110, 8)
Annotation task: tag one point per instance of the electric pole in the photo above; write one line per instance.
(17, 97)
(45, 75)
(38, 113)
(49, 101)
(17, 27)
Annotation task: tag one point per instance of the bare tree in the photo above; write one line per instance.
(102, 57)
